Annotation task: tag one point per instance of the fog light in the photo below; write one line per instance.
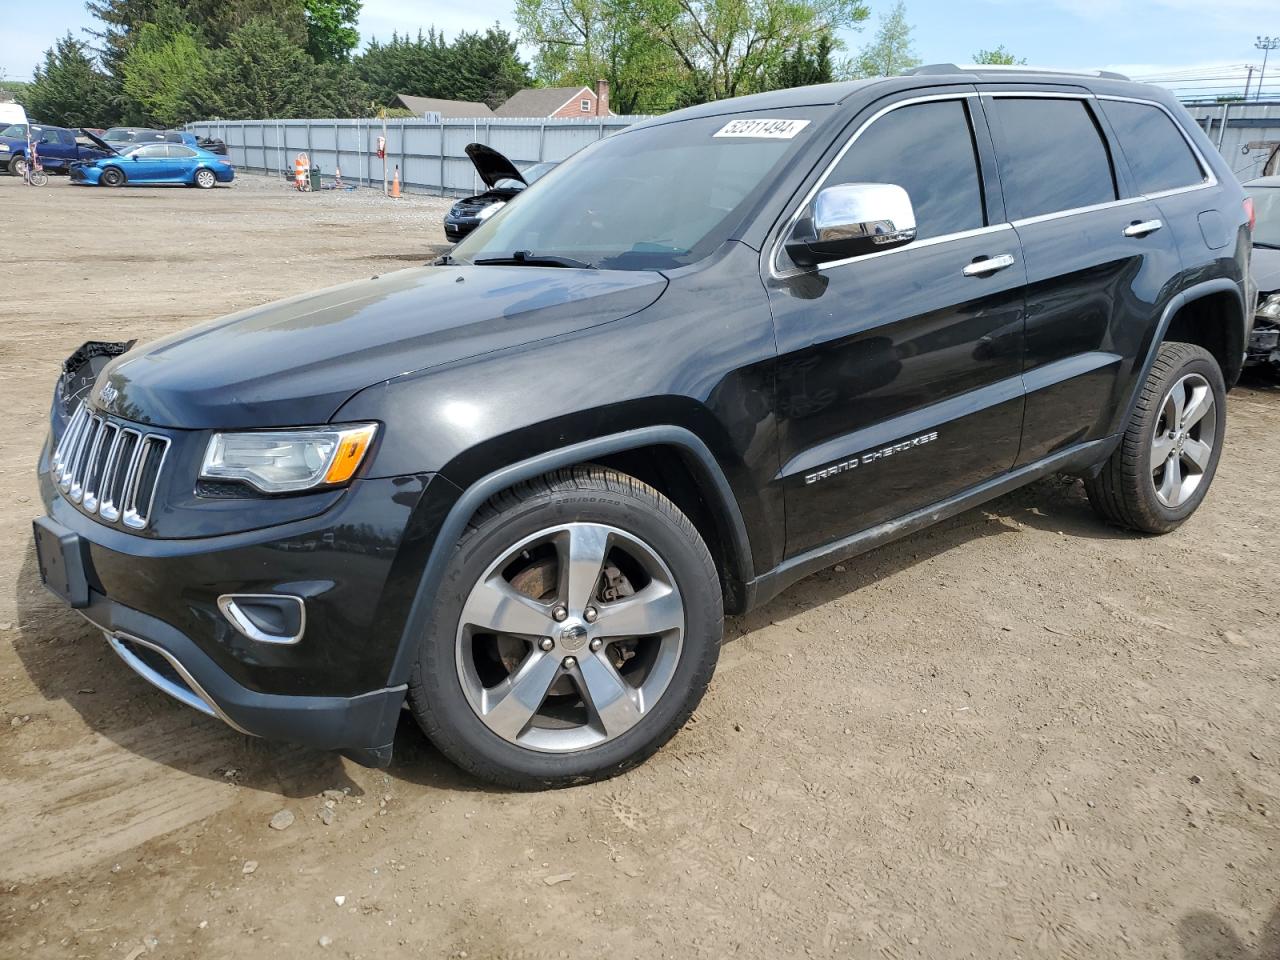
(265, 617)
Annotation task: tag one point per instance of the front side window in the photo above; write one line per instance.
(1052, 156)
(650, 197)
(928, 150)
(1158, 154)
(151, 151)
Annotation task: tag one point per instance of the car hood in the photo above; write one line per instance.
(294, 363)
(99, 142)
(491, 165)
(1266, 269)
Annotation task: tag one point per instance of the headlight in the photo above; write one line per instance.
(1269, 309)
(282, 461)
(4, 148)
(490, 210)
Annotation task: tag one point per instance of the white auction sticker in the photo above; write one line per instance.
(763, 128)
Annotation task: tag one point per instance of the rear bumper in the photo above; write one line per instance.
(361, 727)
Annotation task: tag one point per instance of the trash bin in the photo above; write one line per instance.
(315, 178)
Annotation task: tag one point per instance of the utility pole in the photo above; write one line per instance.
(1248, 82)
(1266, 45)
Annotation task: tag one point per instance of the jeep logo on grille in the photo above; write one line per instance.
(107, 395)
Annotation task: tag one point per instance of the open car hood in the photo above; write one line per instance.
(102, 144)
(491, 165)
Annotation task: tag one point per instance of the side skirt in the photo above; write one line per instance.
(1078, 459)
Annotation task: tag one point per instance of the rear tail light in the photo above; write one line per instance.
(1250, 213)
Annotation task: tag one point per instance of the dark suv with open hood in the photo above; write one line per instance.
(701, 359)
(503, 181)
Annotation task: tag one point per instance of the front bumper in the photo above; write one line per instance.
(354, 566)
(361, 727)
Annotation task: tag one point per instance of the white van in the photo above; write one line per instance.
(11, 113)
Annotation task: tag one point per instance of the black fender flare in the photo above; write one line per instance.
(1191, 294)
(718, 493)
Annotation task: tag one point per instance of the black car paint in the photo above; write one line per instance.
(751, 376)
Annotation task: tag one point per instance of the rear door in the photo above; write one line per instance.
(899, 372)
(182, 163)
(1098, 262)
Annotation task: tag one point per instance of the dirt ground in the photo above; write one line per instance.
(1017, 734)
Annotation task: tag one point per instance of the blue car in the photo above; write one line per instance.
(154, 163)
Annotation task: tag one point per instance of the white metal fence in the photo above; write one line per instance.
(431, 156)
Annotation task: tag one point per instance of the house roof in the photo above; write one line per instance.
(539, 101)
(446, 108)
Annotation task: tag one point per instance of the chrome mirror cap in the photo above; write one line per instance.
(852, 219)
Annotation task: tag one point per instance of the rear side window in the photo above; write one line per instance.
(1052, 156)
(177, 150)
(1158, 153)
(928, 150)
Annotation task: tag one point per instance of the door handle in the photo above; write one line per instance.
(989, 265)
(1143, 228)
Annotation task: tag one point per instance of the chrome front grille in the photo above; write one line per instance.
(109, 469)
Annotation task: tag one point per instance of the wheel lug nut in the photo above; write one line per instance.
(570, 663)
(590, 614)
(546, 643)
(596, 644)
(559, 613)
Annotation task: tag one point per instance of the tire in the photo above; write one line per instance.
(205, 179)
(586, 726)
(39, 178)
(112, 177)
(1160, 474)
(18, 165)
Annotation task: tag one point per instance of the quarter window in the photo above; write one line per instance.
(1158, 153)
(1052, 156)
(928, 150)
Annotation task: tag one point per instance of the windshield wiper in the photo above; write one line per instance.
(1266, 246)
(444, 260)
(527, 258)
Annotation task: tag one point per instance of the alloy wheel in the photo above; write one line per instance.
(1182, 447)
(570, 637)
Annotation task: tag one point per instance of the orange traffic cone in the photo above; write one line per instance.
(395, 184)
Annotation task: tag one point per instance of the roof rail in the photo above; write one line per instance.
(944, 68)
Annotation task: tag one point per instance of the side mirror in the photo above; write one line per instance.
(852, 219)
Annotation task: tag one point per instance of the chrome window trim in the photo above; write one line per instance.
(822, 179)
(1211, 179)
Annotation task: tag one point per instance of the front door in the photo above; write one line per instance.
(899, 371)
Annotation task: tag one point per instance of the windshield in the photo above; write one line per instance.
(1266, 205)
(16, 130)
(646, 199)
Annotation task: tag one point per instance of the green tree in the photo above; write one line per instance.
(262, 73)
(475, 66)
(810, 62)
(331, 29)
(890, 52)
(485, 66)
(998, 56)
(68, 89)
(164, 65)
(581, 41)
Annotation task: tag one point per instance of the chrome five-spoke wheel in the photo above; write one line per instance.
(1182, 447)
(570, 637)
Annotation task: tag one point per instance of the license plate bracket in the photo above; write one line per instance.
(60, 555)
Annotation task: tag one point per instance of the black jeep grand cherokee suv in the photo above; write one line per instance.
(703, 358)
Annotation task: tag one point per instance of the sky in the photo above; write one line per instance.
(1143, 38)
